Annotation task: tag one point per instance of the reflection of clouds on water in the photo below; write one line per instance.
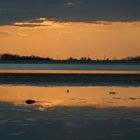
(117, 98)
(66, 122)
(3, 121)
(43, 98)
(16, 133)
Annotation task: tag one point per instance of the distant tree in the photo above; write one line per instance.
(17, 57)
(85, 59)
(132, 58)
(72, 59)
(9, 57)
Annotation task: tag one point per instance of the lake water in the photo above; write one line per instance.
(69, 113)
(70, 68)
(69, 102)
(96, 66)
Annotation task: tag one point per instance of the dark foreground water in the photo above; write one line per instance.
(69, 112)
(69, 102)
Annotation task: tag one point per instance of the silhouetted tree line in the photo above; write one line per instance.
(12, 57)
(131, 58)
(17, 57)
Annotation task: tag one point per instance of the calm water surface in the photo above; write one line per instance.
(69, 113)
(72, 67)
(131, 68)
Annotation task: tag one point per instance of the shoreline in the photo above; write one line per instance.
(67, 62)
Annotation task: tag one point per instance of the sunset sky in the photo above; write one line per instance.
(64, 28)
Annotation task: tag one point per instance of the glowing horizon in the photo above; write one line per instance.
(61, 40)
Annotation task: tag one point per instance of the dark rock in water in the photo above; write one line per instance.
(30, 101)
(112, 92)
(131, 98)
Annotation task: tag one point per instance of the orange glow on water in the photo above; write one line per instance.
(78, 96)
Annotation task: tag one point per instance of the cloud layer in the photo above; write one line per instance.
(12, 11)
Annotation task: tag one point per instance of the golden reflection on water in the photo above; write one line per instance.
(77, 96)
(74, 71)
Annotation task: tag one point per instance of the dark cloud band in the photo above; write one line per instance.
(12, 11)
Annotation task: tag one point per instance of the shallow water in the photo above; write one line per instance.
(69, 113)
(73, 67)
(97, 96)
